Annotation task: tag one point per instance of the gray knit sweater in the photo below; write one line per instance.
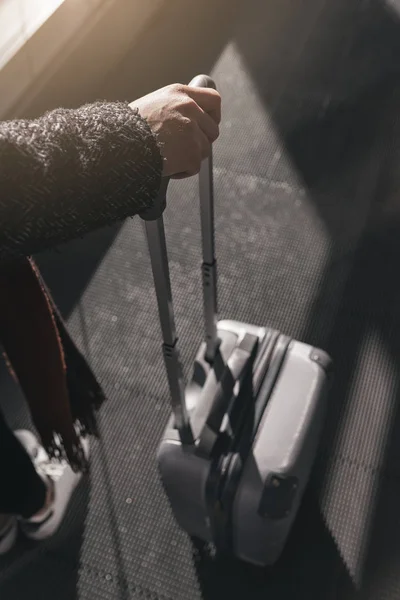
(71, 172)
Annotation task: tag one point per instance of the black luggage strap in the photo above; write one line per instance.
(237, 368)
(267, 385)
(225, 477)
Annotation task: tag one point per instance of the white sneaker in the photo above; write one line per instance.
(8, 535)
(64, 481)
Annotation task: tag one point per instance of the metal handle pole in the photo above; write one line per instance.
(155, 233)
(209, 265)
(159, 263)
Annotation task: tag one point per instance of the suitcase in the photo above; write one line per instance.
(237, 452)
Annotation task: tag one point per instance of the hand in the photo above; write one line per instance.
(185, 121)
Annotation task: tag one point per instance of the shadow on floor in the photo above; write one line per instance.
(50, 569)
(337, 132)
(310, 567)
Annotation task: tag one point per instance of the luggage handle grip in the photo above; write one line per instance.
(239, 365)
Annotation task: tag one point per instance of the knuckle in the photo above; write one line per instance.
(216, 97)
(188, 104)
(178, 88)
(186, 122)
(188, 125)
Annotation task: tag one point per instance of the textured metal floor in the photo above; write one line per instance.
(307, 240)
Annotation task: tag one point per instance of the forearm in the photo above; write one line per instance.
(71, 172)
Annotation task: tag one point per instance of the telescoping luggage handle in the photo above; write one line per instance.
(155, 233)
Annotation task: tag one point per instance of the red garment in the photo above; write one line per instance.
(61, 391)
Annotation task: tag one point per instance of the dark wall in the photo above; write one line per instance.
(186, 38)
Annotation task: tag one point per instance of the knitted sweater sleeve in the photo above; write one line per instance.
(73, 171)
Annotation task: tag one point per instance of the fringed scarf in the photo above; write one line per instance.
(61, 391)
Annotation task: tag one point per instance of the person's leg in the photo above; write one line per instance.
(33, 488)
(23, 491)
(29, 337)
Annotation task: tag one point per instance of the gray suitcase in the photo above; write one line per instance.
(237, 452)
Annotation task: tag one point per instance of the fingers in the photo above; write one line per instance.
(195, 114)
(181, 176)
(208, 126)
(200, 151)
(208, 99)
(205, 146)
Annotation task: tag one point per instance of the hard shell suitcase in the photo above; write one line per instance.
(237, 452)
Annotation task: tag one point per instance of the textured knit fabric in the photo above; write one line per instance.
(62, 176)
(72, 171)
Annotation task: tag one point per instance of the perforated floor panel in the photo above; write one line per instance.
(307, 241)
